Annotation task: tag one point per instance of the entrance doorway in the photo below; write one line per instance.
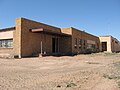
(104, 46)
(55, 45)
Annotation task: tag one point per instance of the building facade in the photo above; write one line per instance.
(29, 38)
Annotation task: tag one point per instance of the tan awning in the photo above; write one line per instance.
(41, 30)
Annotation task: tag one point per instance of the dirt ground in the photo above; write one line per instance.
(99, 71)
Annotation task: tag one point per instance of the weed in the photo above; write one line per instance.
(112, 76)
(71, 84)
(109, 54)
(117, 65)
(93, 63)
(119, 84)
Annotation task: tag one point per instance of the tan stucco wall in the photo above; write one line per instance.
(105, 39)
(6, 51)
(112, 46)
(66, 30)
(6, 35)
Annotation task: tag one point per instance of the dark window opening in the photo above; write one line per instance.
(80, 43)
(104, 46)
(116, 42)
(55, 45)
(84, 42)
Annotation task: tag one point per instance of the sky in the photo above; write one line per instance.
(98, 17)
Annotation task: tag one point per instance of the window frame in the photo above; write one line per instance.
(6, 43)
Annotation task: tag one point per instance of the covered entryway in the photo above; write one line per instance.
(104, 46)
(51, 42)
(55, 45)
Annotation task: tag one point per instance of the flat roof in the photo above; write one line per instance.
(39, 30)
(85, 32)
(106, 36)
(7, 29)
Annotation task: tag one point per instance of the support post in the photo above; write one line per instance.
(41, 52)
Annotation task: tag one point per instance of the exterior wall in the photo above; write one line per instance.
(84, 36)
(66, 42)
(28, 43)
(115, 45)
(6, 51)
(6, 34)
(66, 45)
(80, 35)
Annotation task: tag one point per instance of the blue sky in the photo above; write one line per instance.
(98, 17)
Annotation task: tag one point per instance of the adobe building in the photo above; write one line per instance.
(29, 38)
(109, 44)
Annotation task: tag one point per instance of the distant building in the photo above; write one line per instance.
(29, 38)
(109, 44)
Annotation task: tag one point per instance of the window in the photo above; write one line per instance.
(75, 41)
(84, 42)
(80, 43)
(6, 43)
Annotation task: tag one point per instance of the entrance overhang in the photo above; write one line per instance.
(42, 30)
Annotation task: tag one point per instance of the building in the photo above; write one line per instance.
(109, 44)
(29, 38)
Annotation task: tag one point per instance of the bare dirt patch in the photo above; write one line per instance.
(81, 72)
